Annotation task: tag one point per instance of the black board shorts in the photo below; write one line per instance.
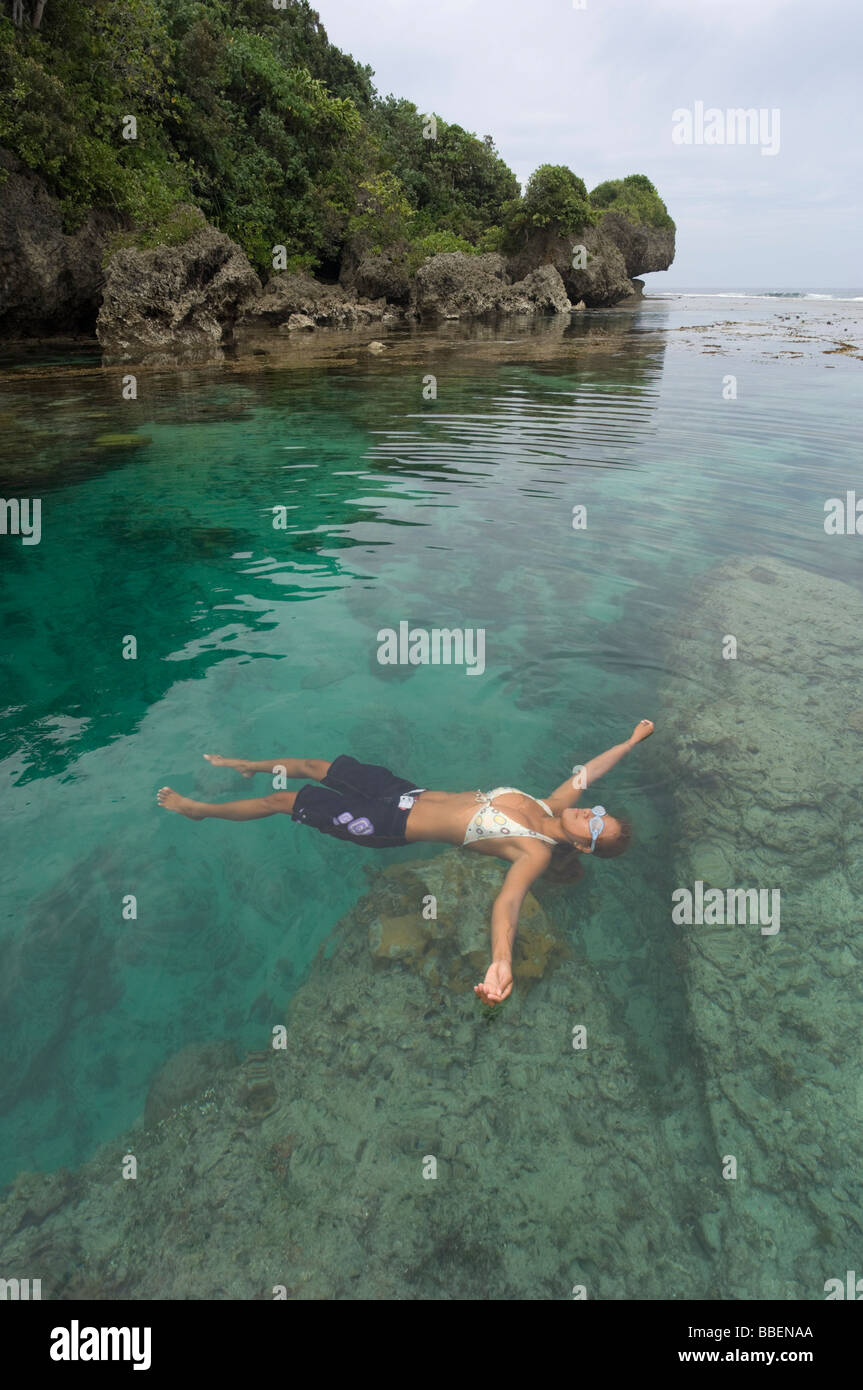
(361, 803)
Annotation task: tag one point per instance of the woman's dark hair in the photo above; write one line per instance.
(565, 866)
(613, 848)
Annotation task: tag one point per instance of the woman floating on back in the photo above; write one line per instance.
(367, 805)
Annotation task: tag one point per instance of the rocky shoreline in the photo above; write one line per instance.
(191, 301)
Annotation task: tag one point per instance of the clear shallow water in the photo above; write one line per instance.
(260, 642)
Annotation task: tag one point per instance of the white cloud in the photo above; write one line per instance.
(596, 88)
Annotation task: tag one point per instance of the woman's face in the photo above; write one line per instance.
(575, 823)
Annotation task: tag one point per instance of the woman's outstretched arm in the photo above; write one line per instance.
(569, 792)
(497, 984)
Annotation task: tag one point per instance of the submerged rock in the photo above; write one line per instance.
(408, 1143)
(452, 948)
(58, 973)
(767, 796)
(122, 441)
(186, 1075)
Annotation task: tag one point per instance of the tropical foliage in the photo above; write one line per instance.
(249, 113)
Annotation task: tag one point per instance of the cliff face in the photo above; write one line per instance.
(50, 282)
(643, 248)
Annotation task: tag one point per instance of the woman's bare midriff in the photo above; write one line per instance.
(445, 816)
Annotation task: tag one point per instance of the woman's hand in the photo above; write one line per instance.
(642, 730)
(497, 985)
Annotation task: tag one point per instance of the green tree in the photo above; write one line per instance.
(555, 198)
(251, 114)
(383, 215)
(454, 180)
(635, 197)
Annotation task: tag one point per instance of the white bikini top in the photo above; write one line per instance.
(491, 824)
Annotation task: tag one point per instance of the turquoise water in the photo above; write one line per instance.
(259, 642)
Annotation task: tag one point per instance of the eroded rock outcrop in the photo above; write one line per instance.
(297, 301)
(767, 774)
(175, 303)
(453, 284)
(50, 280)
(615, 251)
(644, 248)
(378, 275)
(187, 301)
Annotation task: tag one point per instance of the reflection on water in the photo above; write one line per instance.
(260, 640)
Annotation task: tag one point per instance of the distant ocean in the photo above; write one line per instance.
(845, 296)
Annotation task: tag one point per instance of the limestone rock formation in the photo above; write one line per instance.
(614, 253)
(384, 275)
(50, 281)
(542, 291)
(174, 302)
(644, 248)
(453, 284)
(326, 306)
(183, 302)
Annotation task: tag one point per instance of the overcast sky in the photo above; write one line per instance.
(596, 88)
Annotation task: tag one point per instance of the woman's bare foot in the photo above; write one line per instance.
(172, 801)
(239, 764)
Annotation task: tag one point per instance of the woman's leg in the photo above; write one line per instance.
(279, 803)
(315, 768)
